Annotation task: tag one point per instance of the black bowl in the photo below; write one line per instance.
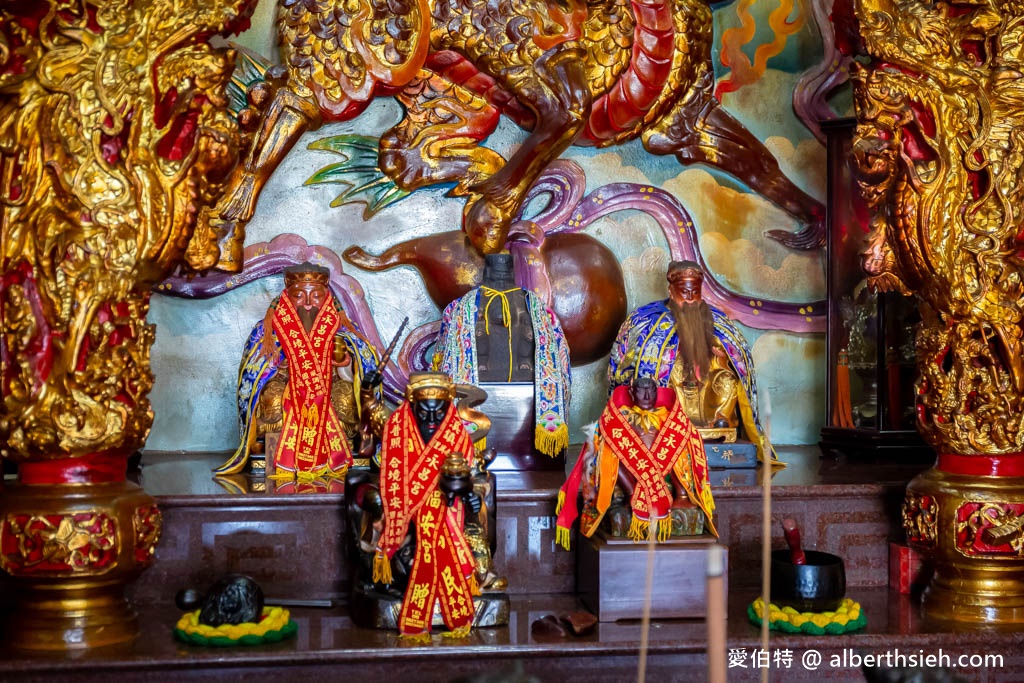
(818, 586)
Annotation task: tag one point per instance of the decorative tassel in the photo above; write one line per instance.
(551, 443)
(638, 529)
(283, 475)
(460, 632)
(561, 501)
(381, 568)
(562, 536)
(474, 585)
(328, 473)
(421, 638)
(664, 529)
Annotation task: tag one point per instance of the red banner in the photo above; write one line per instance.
(443, 565)
(312, 438)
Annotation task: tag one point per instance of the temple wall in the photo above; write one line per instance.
(195, 358)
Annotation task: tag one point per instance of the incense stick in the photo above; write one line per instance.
(766, 546)
(715, 615)
(645, 621)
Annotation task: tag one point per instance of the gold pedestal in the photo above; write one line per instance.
(71, 549)
(970, 524)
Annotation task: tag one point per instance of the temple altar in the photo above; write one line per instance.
(845, 507)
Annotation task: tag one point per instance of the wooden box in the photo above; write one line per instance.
(611, 577)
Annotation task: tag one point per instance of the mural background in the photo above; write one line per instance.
(763, 47)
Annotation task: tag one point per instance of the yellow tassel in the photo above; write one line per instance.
(474, 585)
(339, 474)
(664, 529)
(416, 638)
(460, 632)
(381, 568)
(481, 445)
(561, 502)
(562, 536)
(283, 475)
(638, 529)
(551, 443)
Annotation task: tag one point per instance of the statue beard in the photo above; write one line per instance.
(693, 327)
(307, 316)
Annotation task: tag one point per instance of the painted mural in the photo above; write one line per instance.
(765, 266)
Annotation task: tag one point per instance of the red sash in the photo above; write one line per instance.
(677, 447)
(443, 564)
(652, 497)
(312, 438)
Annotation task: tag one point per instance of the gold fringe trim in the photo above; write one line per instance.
(460, 632)
(561, 502)
(417, 638)
(664, 529)
(638, 529)
(551, 443)
(562, 536)
(381, 568)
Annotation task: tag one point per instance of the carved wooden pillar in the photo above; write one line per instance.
(941, 164)
(114, 134)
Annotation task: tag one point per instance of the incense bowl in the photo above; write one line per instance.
(818, 586)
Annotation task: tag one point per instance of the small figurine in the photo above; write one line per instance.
(426, 456)
(684, 342)
(231, 613)
(299, 380)
(232, 599)
(499, 332)
(647, 448)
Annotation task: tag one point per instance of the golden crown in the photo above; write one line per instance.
(424, 385)
(306, 272)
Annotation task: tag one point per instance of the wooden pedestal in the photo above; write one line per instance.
(611, 577)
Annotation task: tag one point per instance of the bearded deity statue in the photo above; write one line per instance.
(684, 343)
(304, 368)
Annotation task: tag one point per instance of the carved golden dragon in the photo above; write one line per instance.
(114, 134)
(939, 148)
(593, 73)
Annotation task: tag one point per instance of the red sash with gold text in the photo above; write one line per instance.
(443, 564)
(312, 438)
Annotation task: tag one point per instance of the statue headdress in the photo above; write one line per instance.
(307, 272)
(682, 270)
(425, 385)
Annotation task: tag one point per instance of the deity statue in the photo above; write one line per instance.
(500, 332)
(646, 462)
(426, 494)
(685, 343)
(304, 381)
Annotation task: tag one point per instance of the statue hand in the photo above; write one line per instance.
(719, 352)
(473, 502)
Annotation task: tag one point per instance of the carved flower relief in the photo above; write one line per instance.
(83, 542)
